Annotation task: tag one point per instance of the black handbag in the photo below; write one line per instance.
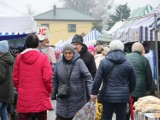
(99, 97)
(64, 89)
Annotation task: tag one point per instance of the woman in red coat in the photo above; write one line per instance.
(32, 75)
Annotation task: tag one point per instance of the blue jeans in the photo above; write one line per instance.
(110, 108)
(3, 111)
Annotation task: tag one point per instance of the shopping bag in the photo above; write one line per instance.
(88, 112)
(98, 110)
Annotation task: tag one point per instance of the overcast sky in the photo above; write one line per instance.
(20, 6)
(133, 4)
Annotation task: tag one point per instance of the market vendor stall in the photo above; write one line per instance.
(147, 108)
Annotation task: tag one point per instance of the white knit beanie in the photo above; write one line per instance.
(4, 46)
(116, 45)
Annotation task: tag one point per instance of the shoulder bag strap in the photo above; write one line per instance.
(71, 72)
(105, 80)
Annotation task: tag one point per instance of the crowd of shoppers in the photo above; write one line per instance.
(80, 74)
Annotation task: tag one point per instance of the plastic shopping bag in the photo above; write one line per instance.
(88, 112)
(98, 110)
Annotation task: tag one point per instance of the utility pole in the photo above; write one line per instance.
(120, 13)
(156, 50)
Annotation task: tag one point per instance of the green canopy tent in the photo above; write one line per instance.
(104, 39)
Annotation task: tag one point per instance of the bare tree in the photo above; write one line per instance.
(121, 12)
(80, 5)
(30, 10)
(102, 9)
(98, 8)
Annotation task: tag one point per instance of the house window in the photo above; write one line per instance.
(47, 25)
(71, 27)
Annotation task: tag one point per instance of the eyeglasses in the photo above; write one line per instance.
(69, 53)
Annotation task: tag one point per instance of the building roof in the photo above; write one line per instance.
(65, 14)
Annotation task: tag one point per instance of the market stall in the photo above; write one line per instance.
(147, 108)
(129, 32)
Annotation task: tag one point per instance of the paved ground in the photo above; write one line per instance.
(52, 116)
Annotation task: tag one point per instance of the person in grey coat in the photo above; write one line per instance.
(80, 80)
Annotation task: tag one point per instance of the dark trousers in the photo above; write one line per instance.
(61, 118)
(110, 108)
(37, 116)
(128, 114)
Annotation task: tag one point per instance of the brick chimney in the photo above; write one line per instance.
(54, 9)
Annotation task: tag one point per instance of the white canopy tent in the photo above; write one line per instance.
(16, 27)
(14, 23)
(107, 37)
(116, 26)
(17, 24)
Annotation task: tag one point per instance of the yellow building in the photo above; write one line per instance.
(63, 23)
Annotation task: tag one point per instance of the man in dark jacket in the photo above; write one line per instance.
(119, 81)
(6, 84)
(143, 72)
(86, 56)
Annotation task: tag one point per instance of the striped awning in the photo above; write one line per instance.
(12, 35)
(147, 33)
(141, 30)
(59, 45)
(91, 37)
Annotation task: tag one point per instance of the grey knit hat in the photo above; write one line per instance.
(68, 47)
(137, 47)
